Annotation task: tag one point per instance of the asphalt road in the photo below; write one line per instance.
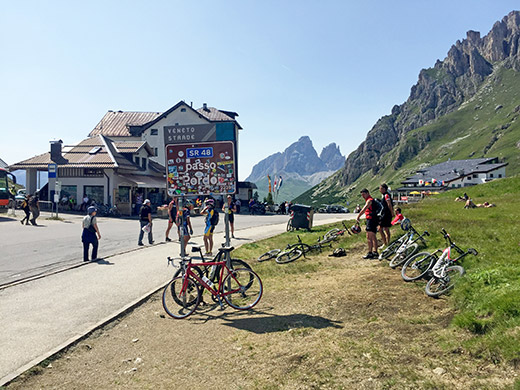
(28, 251)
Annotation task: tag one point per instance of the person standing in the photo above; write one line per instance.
(26, 209)
(184, 223)
(138, 203)
(84, 205)
(145, 220)
(211, 221)
(231, 214)
(172, 214)
(34, 204)
(90, 230)
(388, 214)
(371, 225)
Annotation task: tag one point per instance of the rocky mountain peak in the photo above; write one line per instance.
(439, 91)
(300, 158)
(332, 157)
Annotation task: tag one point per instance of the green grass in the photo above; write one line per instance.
(487, 301)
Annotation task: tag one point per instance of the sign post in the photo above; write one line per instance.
(57, 191)
(200, 161)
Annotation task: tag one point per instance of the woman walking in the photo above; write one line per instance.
(26, 209)
(90, 229)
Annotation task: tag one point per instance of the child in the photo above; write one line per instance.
(398, 216)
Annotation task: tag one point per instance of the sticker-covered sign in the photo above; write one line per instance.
(201, 169)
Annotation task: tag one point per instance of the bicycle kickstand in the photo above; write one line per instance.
(220, 303)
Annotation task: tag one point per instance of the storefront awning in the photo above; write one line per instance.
(143, 181)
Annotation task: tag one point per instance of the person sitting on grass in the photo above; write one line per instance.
(486, 204)
(398, 217)
(469, 204)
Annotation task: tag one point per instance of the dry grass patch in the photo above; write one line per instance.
(323, 323)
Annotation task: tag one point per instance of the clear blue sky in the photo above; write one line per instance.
(326, 69)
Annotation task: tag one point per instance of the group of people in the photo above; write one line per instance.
(380, 215)
(181, 218)
(30, 205)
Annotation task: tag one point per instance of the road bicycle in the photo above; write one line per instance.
(441, 268)
(240, 288)
(394, 245)
(408, 246)
(207, 269)
(295, 251)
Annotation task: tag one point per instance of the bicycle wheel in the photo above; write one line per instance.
(288, 255)
(331, 235)
(289, 226)
(402, 255)
(177, 303)
(269, 255)
(417, 266)
(390, 249)
(438, 286)
(236, 292)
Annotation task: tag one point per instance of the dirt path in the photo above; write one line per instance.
(325, 323)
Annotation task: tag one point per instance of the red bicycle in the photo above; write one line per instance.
(240, 288)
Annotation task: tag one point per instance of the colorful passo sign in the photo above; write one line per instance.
(201, 169)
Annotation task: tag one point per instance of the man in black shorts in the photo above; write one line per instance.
(388, 214)
(372, 222)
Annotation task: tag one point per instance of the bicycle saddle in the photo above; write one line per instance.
(226, 249)
(196, 249)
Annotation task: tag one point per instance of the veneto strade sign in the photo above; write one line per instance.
(201, 168)
(190, 133)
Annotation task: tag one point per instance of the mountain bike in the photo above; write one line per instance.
(408, 247)
(240, 288)
(295, 251)
(334, 234)
(444, 274)
(394, 245)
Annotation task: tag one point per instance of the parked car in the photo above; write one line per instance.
(335, 208)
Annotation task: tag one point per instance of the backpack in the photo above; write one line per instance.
(214, 218)
(378, 210)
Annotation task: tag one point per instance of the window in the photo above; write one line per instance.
(137, 161)
(183, 110)
(475, 176)
(499, 175)
(95, 193)
(154, 132)
(144, 162)
(156, 152)
(468, 178)
(69, 192)
(490, 175)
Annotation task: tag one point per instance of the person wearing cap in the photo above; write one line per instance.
(90, 230)
(209, 211)
(145, 219)
(231, 214)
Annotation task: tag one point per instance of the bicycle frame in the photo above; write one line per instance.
(219, 292)
(445, 260)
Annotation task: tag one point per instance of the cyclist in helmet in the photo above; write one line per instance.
(209, 211)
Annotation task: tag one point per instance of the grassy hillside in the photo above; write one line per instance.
(485, 126)
(486, 304)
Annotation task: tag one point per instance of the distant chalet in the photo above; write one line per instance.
(454, 174)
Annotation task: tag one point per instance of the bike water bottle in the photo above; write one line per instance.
(207, 281)
(212, 272)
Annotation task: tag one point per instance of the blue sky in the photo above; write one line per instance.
(326, 69)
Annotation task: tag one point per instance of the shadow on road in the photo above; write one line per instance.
(102, 262)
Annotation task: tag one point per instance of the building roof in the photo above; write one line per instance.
(132, 146)
(95, 152)
(454, 169)
(3, 164)
(118, 123)
(132, 124)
